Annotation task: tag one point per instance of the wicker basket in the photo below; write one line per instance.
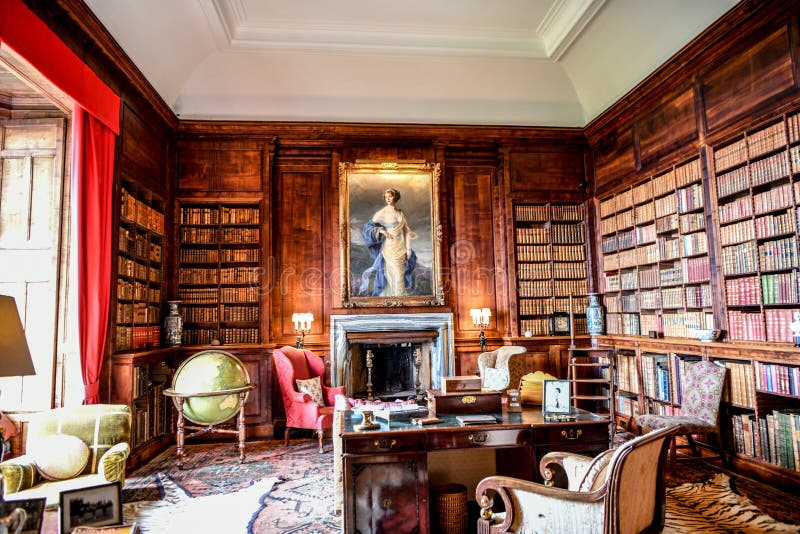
(451, 508)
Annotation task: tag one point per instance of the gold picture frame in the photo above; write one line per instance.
(377, 229)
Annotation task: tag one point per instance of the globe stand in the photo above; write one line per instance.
(181, 427)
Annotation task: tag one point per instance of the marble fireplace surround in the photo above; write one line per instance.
(441, 354)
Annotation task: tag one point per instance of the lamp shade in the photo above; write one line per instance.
(15, 356)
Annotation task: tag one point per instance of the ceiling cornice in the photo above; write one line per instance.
(562, 24)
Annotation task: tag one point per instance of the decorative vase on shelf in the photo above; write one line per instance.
(173, 325)
(595, 319)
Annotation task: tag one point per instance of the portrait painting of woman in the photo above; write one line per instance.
(389, 248)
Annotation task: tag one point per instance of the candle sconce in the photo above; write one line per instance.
(302, 326)
(480, 318)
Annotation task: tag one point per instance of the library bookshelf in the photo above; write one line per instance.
(735, 210)
(140, 272)
(551, 265)
(219, 272)
(656, 268)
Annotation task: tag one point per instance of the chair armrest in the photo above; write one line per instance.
(563, 469)
(300, 397)
(541, 508)
(112, 463)
(330, 394)
(19, 474)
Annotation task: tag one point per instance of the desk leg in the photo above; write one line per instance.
(179, 434)
(240, 426)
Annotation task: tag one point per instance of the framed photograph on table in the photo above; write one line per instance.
(556, 399)
(95, 506)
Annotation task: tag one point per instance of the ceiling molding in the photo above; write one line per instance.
(562, 24)
(240, 32)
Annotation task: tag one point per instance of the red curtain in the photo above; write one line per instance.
(95, 124)
(93, 181)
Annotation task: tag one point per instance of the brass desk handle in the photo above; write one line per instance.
(387, 502)
(384, 443)
(480, 437)
(571, 433)
(469, 399)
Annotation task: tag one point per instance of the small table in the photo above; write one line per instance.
(179, 397)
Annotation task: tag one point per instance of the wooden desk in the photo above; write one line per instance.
(386, 470)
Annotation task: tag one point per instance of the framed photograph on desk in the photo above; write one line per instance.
(556, 397)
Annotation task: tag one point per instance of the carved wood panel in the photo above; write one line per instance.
(614, 158)
(236, 166)
(299, 276)
(670, 124)
(472, 244)
(547, 170)
(749, 79)
(143, 155)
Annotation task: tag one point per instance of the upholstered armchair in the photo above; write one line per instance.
(70, 448)
(502, 368)
(619, 491)
(701, 389)
(307, 400)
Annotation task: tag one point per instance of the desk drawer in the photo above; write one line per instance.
(479, 437)
(383, 443)
(572, 435)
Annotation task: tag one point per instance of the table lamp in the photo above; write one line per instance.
(15, 360)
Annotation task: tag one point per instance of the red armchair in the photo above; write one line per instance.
(301, 410)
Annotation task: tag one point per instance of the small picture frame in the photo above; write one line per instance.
(95, 506)
(556, 398)
(34, 508)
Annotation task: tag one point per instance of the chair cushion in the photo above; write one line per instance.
(689, 425)
(313, 388)
(60, 456)
(494, 378)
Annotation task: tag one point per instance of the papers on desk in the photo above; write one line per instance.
(476, 419)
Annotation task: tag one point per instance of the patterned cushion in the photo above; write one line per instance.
(60, 456)
(313, 388)
(495, 379)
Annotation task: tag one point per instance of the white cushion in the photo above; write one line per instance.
(60, 456)
(312, 387)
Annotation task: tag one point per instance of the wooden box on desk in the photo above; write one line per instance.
(463, 403)
(461, 384)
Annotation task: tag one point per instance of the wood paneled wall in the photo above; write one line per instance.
(740, 72)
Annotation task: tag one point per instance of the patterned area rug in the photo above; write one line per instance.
(290, 490)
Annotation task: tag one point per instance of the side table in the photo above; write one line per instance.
(199, 430)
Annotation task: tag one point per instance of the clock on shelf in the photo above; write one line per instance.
(559, 324)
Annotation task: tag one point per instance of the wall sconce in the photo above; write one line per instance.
(480, 318)
(302, 326)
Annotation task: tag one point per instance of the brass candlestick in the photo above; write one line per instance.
(369, 375)
(417, 381)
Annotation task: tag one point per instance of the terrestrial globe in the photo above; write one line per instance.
(205, 372)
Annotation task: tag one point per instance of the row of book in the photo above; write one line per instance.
(204, 236)
(623, 323)
(137, 337)
(544, 212)
(769, 169)
(689, 198)
(627, 373)
(204, 215)
(774, 438)
(134, 269)
(778, 254)
(567, 233)
(534, 288)
(746, 326)
(739, 208)
(194, 314)
(667, 205)
(739, 388)
(777, 378)
(136, 290)
(240, 335)
(773, 199)
(240, 275)
(655, 376)
(779, 288)
(533, 235)
(777, 323)
(569, 270)
(657, 186)
(226, 255)
(534, 271)
(752, 146)
(137, 211)
(571, 287)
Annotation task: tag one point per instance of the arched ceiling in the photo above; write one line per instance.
(479, 62)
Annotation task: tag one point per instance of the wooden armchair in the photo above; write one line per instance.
(619, 491)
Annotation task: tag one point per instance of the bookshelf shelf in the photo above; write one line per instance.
(551, 264)
(219, 272)
(139, 273)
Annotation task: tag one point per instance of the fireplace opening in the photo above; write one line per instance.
(393, 372)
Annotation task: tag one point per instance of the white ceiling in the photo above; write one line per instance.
(480, 62)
